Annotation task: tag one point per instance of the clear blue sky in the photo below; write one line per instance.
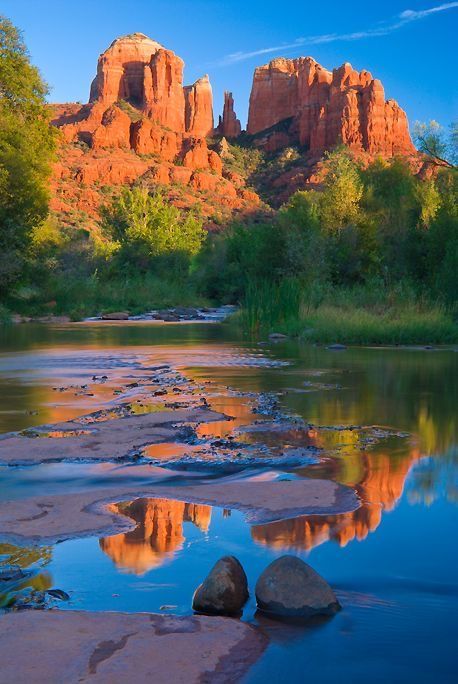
(409, 45)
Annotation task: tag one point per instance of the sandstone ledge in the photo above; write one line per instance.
(110, 440)
(47, 519)
(72, 646)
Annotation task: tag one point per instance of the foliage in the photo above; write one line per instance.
(26, 149)
(433, 140)
(243, 160)
(343, 190)
(147, 226)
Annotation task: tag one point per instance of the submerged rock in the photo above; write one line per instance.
(225, 589)
(288, 587)
(11, 573)
(336, 347)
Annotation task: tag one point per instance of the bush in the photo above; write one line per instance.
(147, 227)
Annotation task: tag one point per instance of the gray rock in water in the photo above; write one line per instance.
(277, 337)
(116, 316)
(225, 589)
(336, 347)
(11, 573)
(288, 587)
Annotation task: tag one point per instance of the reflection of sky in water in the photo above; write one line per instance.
(393, 562)
(398, 588)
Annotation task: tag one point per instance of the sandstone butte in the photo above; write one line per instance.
(297, 101)
(142, 122)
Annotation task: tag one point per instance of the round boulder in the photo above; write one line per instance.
(288, 587)
(224, 591)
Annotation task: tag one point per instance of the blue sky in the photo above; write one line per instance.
(409, 45)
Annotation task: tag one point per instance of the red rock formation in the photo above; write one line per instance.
(229, 126)
(160, 113)
(163, 90)
(148, 138)
(317, 109)
(120, 70)
(199, 108)
(140, 121)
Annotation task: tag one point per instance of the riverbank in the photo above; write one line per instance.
(354, 316)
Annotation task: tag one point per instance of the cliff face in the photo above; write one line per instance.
(307, 105)
(138, 71)
(138, 104)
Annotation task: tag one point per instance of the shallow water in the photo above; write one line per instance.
(392, 562)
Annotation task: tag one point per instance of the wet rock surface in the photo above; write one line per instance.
(74, 646)
(173, 315)
(289, 588)
(225, 589)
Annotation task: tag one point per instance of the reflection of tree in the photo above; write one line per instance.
(24, 556)
(27, 558)
(159, 532)
(434, 476)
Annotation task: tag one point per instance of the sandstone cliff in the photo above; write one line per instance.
(298, 102)
(229, 126)
(141, 121)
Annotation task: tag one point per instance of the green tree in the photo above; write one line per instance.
(26, 150)
(146, 226)
(342, 193)
(431, 139)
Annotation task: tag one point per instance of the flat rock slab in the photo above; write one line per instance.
(47, 519)
(51, 647)
(104, 441)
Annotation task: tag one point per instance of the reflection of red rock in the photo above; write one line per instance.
(380, 489)
(159, 532)
(318, 109)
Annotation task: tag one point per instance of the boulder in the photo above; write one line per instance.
(288, 587)
(224, 591)
(116, 316)
(276, 337)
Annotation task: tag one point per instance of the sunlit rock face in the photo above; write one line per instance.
(138, 104)
(148, 78)
(229, 126)
(318, 109)
(158, 535)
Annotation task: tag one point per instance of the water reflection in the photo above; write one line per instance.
(31, 559)
(158, 534)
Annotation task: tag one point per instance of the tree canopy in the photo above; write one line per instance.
(26, 150)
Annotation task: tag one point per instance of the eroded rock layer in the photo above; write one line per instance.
(141, 121)
(297, 101)
(229, 126)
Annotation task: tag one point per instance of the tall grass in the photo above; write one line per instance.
(355, 316)
(266, 305)
(79, 297)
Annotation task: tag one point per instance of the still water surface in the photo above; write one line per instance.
(393, 562)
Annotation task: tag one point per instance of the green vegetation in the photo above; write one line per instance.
(371, 255)
(26, 149)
